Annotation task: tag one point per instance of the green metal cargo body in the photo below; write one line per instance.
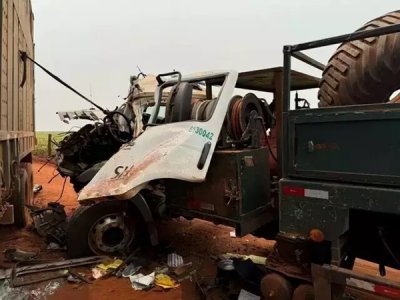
(352, 144)
(344, 178)
(17, 122)
(340, 186)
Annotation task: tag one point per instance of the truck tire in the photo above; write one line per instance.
(104, 228)
(304, 292)
(363, 71)
(20, 199)
(27, 166)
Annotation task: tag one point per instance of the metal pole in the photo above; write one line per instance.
(346, 38)
(285, 108)
(308, 60)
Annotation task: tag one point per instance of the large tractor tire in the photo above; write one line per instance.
(363, 71)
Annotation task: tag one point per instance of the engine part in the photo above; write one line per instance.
(107, 228)
(50, 222)
(81, 150)
(92, 144)
(363, 71)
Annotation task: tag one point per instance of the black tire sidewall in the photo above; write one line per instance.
(29, 187)
(20, 200)
(82, 221)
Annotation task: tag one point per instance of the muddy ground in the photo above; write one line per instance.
(197, 241)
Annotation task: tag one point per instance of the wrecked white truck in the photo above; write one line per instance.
(164, 171)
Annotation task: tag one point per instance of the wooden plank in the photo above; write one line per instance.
(19, 68)
(15, 70)
(10, 22)
(16, 104)
(25, 95)
(4, 67)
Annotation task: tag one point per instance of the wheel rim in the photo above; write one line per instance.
(111, 234)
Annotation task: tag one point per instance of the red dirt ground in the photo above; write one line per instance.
(195, 240)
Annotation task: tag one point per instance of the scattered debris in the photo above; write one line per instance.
(50, 222)
(97, 273)
(174, 260)
(225, 271)
(131, 259)
(106, 268)
(79, 277)
(232, 234)
(182, 268)
(43, 293)
(110, 264)
(73, 279)
(37, 188)
(245, 295)
(161, 270)
(25, 280)
(165, 281)
(141, 282)
(50, 266)
(249, 273)
(130, 270)
(188, 276)
(259, 260)
(17, 255)
(55, 246)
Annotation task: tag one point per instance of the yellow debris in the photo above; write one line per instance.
(166, 282)
(112, 264)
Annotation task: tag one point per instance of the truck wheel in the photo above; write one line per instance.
(276, 287)
(21, 198)
(304, 292)
(105, 228)
(363, 71)
(28, 168)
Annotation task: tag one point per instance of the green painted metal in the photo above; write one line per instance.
(264, 80)
(347, 144)
(236, 191)
(343, 179)
(335, 214)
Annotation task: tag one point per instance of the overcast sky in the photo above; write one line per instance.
(95, 45)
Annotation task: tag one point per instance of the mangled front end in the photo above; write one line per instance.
(113, 208)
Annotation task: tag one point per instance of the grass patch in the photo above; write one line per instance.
(41, 148)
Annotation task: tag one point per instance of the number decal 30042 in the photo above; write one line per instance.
(202, 132)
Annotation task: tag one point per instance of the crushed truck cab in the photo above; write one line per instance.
(178, 150)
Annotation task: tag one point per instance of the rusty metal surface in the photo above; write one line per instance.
(264, 80)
